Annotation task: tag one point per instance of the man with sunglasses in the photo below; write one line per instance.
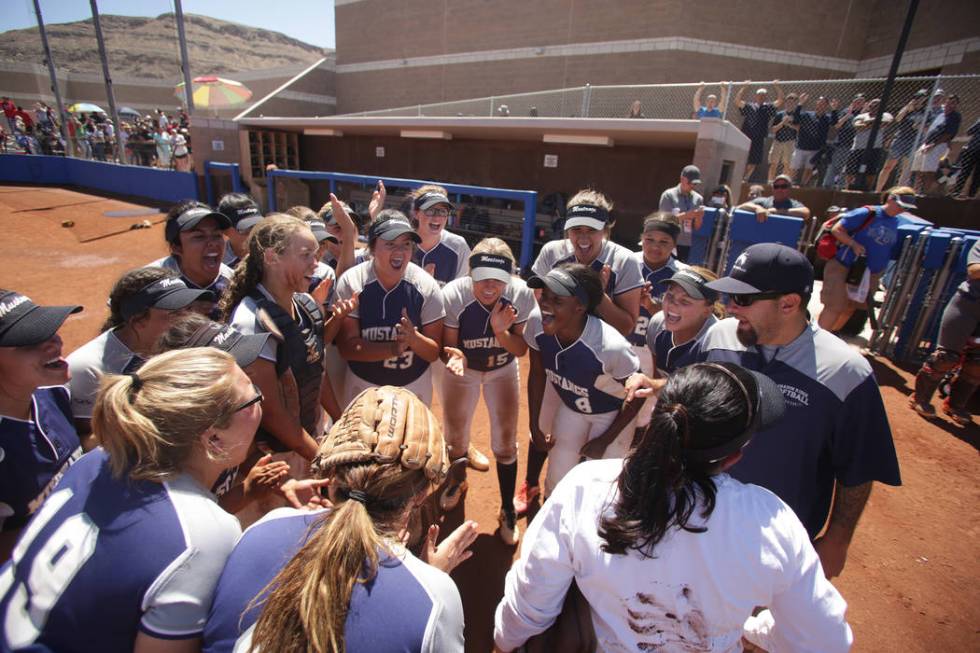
(779, 203)
(834, 440)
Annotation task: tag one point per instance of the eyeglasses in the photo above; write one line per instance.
(254, 400)
(751, 298)
(781, 186)
(437, 213)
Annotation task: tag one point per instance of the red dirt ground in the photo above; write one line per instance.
(911, 579)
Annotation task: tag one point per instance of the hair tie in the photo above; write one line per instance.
(136, 382)
(679, 410)
(358, 496)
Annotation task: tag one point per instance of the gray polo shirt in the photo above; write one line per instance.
(674, 198)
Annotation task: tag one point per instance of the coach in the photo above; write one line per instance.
(834, 440)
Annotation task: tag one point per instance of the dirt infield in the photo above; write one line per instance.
(911, 579)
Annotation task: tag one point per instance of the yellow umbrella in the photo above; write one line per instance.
(215, 92)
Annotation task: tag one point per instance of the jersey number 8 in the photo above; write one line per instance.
(583, 405)
(54, 566)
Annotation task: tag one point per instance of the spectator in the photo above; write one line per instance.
(862, 134)
(98, 142)
(867, 231)
(183, 162)
(9, 111)
(162, 121)
(780, 203)
(503, 111)
(783, 129)
(756, 190)
(758, 117)
(811, 138)
(636, 110)
(942, 131)
(25, 117)
(834, 440)
(843, 142)
(109, 130)
(164, 147)
(687, 205)
(907, 123)
(721, 198)
(969, 158)
(713, 106)
(668, 527)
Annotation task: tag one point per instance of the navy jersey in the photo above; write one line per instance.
(476, 339)
(588, 374)
(378, 312)
(450, 256)
(407, 606)
(835, 426)
(105, 558)
(654, 277)
(34, 454)
(623, 267)
(667, 357)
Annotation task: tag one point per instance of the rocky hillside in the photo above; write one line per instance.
(147, 47)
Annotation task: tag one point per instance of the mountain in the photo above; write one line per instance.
(147, 47)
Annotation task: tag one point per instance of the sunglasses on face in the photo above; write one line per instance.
(781, 186)
(749, 299)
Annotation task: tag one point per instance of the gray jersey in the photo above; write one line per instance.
(105, 354)
(625, 269)
(448, 260)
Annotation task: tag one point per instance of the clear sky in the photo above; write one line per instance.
(307, 20)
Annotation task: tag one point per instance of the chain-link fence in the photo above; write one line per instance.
(812, 130)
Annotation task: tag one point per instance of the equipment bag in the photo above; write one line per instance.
(825, 241)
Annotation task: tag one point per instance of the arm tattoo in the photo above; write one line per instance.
(848, 505)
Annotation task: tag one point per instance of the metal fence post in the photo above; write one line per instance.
(491, 106)
(586, 100)
(728, 101)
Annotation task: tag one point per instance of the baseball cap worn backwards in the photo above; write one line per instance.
(170, 294)
(490, 266)
(244, 348)
(767, 267)
(24, 323)
(561, 283)
(191, 218)
(586, 215)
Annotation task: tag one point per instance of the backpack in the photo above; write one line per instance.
(825, 242)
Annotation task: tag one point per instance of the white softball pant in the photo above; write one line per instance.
(571, 430)
(422, 386)
(501, 392)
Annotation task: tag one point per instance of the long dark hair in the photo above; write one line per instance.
(700, 407)
(128, 285)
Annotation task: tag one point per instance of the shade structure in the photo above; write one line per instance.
(85, 107)
(216, 92)
(129, 111)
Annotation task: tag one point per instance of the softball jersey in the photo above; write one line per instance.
(654, 278)
(668, 357)
(379, 311)
(407, 606)
(450, 256)
(624, 275)
(106, 558)
(104, 354)
(218, 286)
(697, 590)
(34, 455)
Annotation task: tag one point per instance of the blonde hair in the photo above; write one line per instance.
(897, 190)
(273, 232)
(150, 422)
(717, 308)
(590, 196)
(304, 213)
(308, 601)
(495, 246)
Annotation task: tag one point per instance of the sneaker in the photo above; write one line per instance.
(450, 497)
(509, 531)
(961, 417)
(524, 496)
(925, 410)
(477, 460)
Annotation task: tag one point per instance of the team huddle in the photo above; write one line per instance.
(703, 461)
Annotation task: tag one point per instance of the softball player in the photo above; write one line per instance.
(125, 553)
(395, 333)
(585, 360)
(689, 310)
(37, 438)
(142, 305)
(340, 254)
(657, 263)
(483, 336)
(243, 212)
(441, 253)
(587, 226)
(268, 294)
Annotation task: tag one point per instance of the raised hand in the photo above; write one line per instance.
(502, 317)
(322, 291)
(646, 298)
(344, 307)
(377, 200)
(605, 274)
(451, 551)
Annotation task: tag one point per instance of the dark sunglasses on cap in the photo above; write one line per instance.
(751, 298)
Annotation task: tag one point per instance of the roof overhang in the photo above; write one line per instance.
(599, 132)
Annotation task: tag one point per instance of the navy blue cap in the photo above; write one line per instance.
(24, 323)
(190, 218)
(391, 229)
(693, 284)
(561, 283)
(767, 267)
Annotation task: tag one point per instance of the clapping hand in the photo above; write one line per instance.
(456, 361)
(502, 317)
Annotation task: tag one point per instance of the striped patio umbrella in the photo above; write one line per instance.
(85, 107)
(215, 92)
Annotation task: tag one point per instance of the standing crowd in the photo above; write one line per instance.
(705, 465)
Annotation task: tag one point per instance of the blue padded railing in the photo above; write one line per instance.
(746, 230)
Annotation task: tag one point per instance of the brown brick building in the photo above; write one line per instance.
(393, 54)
